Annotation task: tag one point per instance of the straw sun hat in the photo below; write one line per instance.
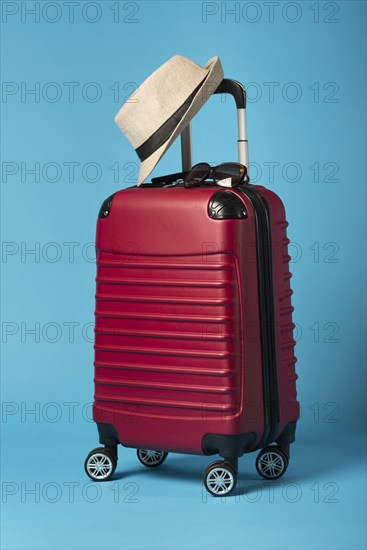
(164, 105)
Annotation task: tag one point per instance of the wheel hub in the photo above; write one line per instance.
(220, 481)
(99, 466)
(271, 464)
(152, 454)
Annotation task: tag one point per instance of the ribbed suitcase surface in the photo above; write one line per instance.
(166, 333)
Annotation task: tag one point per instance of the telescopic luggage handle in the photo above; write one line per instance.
(238, 92)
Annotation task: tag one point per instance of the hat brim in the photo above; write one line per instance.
(207, 88)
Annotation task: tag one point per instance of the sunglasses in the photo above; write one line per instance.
(227, 174)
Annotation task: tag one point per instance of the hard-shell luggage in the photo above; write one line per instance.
(194, 350)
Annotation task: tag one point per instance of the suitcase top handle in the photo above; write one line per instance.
(238, 92)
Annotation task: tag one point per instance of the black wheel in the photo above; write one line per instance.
(100, 464)
(151, 459)
(271, 463)
(220, 478)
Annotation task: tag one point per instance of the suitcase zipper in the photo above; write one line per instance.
(267, 317)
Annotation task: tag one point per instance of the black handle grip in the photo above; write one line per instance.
(235, 89)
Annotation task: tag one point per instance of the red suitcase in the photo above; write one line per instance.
(193, 335)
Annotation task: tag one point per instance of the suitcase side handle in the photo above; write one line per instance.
(235, 89)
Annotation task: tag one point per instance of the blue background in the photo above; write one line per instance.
(316, 67)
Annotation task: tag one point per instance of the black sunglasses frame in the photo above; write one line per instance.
(176, 177)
